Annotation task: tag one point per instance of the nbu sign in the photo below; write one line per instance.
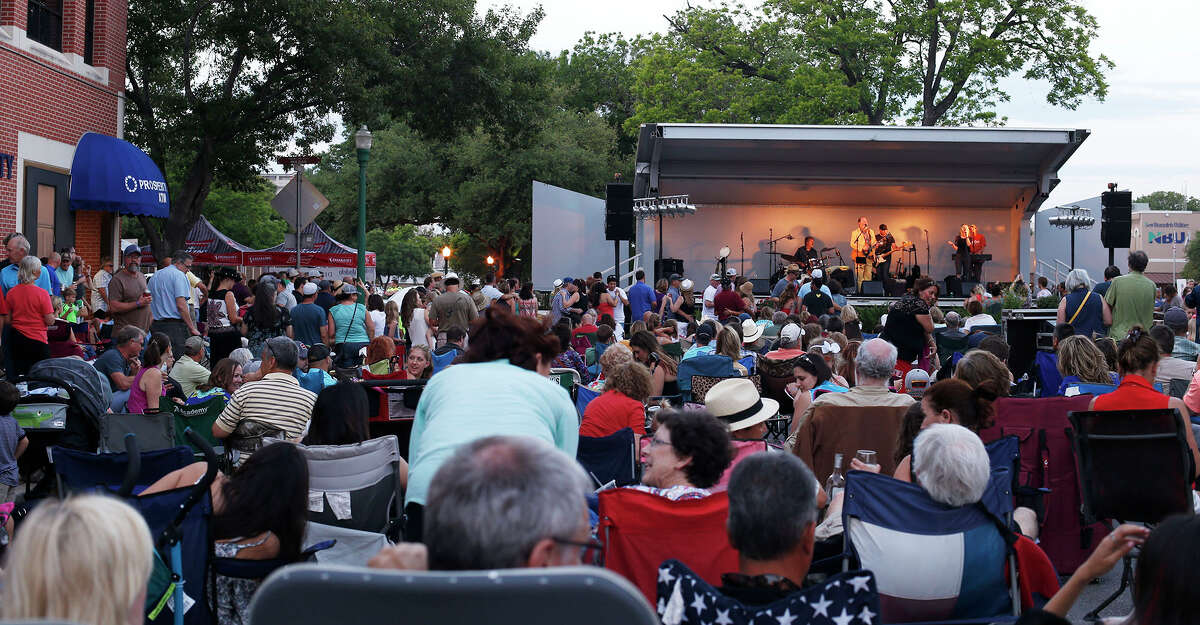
(1167, 238)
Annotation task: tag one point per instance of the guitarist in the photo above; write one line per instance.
(885, 244)
(862, 247)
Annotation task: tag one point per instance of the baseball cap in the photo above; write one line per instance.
(132, 250)
(566, 279)
(791, 332)
(1175, 317)
(314, 273)
(817, 273)
(915, 382)
(675, 277)
(318, 352)
(308, 289)
(731, 272)
(715, 276)
(451, 279)
(194, 345)
(686, 284)
(292, 272)
(301, 351)
(348, 289)
(705, 330)
(325, 284)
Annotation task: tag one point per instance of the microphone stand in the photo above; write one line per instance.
(742, 258)
(928, 266)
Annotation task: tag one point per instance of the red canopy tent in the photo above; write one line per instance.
(207, 245)
(324, 252)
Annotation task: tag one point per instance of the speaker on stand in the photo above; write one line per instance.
(664, 267)
(618, 212)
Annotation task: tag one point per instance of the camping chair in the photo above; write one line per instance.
(1178, 387)
(567, 378)
(1088, 389)
(611, 458)
(674, 350)
(154, 431)
(391, 400)
(640, 530)
(441, 361)
(350, 547)
(682, 594)
(847, 429)
(355, 486)
(589, 357)
(932, 562)
(1048, 377)
(300, 595)
(948, 346)
(583, 397)
(200, 417)
(776, 375)
(713, 365)
(81, 471)
(1134, 465)
(702, 383)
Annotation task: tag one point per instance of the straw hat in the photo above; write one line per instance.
(750, 331)
(736, 402)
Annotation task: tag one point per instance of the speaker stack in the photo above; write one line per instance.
(618, 212)
(664, 267)
(1116, 217)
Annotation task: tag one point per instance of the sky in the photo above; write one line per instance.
(1142, 137)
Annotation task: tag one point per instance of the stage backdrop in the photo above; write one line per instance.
(697, 238)
(568, 235)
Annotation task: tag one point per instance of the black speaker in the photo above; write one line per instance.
(872, 288)
(1116, 209)
(954, 286)
(1021, 335)
(618, 212)
(664, 267)
(845, 277)
(895, 288)
(762, 286)
(967, 287)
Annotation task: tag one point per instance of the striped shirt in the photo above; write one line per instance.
(276, 401)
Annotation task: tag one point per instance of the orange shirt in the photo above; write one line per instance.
(612, 411)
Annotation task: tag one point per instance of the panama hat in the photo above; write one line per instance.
(736, 402)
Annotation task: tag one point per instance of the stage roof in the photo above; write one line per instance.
(853, 166)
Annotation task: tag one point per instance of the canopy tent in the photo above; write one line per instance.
(112, 175)
(325, 251)
(207, 245)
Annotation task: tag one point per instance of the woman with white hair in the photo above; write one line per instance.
(31, 313)
(951, 464)
(1083, 308)
(84, 560)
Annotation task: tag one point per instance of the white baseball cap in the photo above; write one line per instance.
(817, 273)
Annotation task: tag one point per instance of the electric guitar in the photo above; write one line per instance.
(883, 257)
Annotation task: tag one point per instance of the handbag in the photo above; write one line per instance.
(348, 358)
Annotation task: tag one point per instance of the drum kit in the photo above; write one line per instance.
(825, 262)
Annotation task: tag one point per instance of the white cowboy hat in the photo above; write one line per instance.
(750, 331)
(737, 403)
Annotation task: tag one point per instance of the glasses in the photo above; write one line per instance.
(589, 551)
(658, 442)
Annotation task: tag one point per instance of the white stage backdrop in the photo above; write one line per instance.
(697, 238)
(568, 235)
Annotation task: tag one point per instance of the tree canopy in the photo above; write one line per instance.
(1170, 201)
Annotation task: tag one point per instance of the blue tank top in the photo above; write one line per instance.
(1091, 318)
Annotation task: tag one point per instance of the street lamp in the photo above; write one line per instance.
(362, 141)
(446, 258)
(490, 260)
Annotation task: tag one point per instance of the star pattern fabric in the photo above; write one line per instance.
(845, 599)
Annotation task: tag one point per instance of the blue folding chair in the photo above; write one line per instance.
(713, 365)
(611, 458)
(441, 361)
(1048, 376)
(583, 397)
(932, 562)
(81, 471)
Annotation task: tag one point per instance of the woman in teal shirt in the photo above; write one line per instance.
(349, 325)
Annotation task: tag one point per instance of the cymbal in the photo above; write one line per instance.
(775, 254)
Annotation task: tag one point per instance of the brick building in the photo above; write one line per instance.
(62, 74)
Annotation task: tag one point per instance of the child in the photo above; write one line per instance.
(72, 311)
(12, 442)
(56, 303)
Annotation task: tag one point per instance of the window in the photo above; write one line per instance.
(44, 23)
(89, 33)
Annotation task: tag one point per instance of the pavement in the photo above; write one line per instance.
(1097, 592)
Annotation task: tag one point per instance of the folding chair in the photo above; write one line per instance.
(1088, 389)
(1048, 376)
(610, 458)
(933, 562)
(845, 430)
(702, 383)
(300, 595)
(1178, 387)
(81, 471)
(200, 417)
(686, 599)
(1134, 465)
(776, 375)
(641, 530)
(567, 378)
(441, 361)
(154, 431)
(391, 400)
(583, 397)
(674, 350)
(350, 547)
(355, 486)
(713, 365)
(947, 346)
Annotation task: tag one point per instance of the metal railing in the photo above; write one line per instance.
(1059, 269)
(630, 262)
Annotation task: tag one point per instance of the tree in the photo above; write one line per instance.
(1191, 269)
(246, 216)
(927, 62)
(216, 87)
(400, 251)
(1170, 201)
(597, 76)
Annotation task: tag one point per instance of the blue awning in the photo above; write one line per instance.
(108, 174)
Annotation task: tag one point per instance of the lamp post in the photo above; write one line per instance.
(362, 141)
(446, 258)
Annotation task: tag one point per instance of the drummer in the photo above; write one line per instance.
(789, 279)
(808, 255)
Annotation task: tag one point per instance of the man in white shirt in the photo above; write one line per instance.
(618, 293)
(710, 293)
(489, 289)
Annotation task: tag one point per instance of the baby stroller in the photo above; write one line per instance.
(62, 402)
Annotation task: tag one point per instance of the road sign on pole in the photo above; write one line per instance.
(299, 211)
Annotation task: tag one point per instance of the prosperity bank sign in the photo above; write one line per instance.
(134, 184)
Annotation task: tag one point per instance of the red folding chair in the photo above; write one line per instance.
(641, 530)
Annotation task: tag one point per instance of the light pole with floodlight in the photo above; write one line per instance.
(362, 143)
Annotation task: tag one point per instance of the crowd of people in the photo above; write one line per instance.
(490, 476)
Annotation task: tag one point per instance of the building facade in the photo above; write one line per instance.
(62, 74)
